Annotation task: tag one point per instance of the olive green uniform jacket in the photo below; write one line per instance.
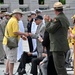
(58, 29)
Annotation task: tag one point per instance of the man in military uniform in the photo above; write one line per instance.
(58, 28)
(3, 23)
(1, 37)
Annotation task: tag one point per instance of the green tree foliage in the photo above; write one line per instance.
(41, 2)
(21, 1)
(62, 1)
(1, 1)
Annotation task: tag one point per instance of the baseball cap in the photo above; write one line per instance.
(39, 17)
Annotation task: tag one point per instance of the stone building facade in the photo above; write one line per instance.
(29, 5)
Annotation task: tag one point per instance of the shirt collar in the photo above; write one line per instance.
(15, 18)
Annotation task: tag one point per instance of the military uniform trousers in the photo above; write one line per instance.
(2, 52)
(59, 62)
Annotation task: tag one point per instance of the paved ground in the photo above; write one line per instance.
(25, 47)
(2, 68)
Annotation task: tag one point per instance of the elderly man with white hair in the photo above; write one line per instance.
(12, 30)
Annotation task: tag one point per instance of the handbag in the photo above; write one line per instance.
(12, 42)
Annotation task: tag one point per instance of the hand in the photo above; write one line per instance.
(29, 53)
(73, 36)
(69, 31)
(24, 37)
(41, 63)
(44, 54)
(47, 18)
(30, 34)
(26, 34)
(40, 39)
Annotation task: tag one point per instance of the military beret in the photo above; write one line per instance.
(39, 17)
(58, 5)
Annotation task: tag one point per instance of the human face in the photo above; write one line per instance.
(1, 15)
(38, 21)
(33, 16)
(19, 16)
(29, 19)
(7, 16)
(55, 11)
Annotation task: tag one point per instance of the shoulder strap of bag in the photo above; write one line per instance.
(7, 32)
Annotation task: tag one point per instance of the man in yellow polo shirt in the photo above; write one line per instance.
(12, 30)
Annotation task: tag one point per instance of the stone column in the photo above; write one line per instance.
(14, 4)
(33, 4)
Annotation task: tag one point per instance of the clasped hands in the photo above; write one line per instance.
(47, 18)
(24, 37)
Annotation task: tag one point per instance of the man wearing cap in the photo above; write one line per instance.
(40, 30)
(2, 13)
(12, 30)
(2, 53)
(39, 33)
(58, 29)
(3, 23)
(2, 30)
(39, 12)
(1, 37)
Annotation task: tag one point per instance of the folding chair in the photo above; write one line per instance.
(28, 68)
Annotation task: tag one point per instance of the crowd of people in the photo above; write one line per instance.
(51, 42)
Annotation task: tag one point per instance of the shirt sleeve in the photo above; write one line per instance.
(45, 59)
(15, 26)
(34, 53)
